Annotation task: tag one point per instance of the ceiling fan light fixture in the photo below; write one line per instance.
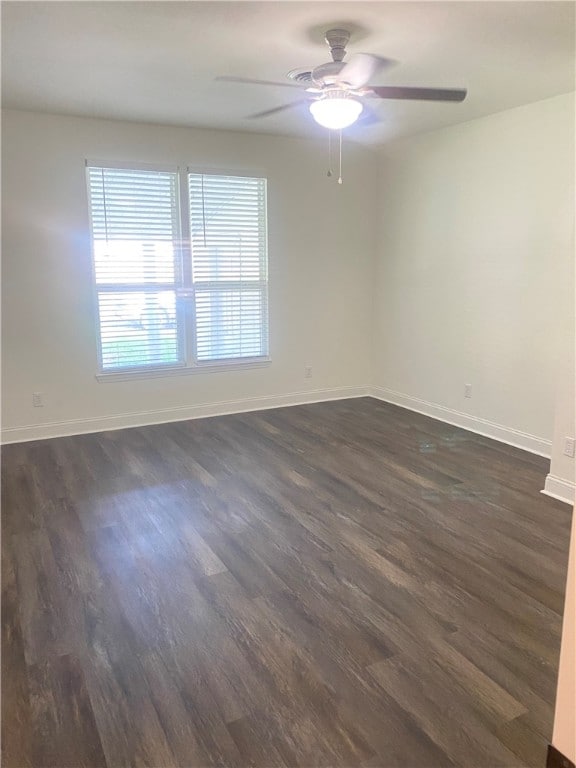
(336, 112)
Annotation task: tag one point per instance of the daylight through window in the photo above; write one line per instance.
(181, 279)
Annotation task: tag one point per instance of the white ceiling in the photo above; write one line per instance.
(156, 61)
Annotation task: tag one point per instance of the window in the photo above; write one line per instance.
(228, 240)
(180, 267)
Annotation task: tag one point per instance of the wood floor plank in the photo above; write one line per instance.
(64, 733)
(397, 735)
(196, 732)
(46, 624)
(260, 745)
(508, 669)
(524, 739)
(340, 584)
(16, 715)
(127, 721)
(443, 715)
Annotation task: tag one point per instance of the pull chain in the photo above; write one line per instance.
(340, 158)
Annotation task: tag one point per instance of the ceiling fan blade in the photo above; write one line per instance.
(249, 81)
(273, 111)
(420, 94)
(368, 117)
(362, 67)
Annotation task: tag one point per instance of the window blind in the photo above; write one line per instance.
(165, 300)
(228, 242)
(136, 233)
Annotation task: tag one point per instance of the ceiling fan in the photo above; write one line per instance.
(337, 89)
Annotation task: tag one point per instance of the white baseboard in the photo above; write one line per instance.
(556, 487)
(563, 490)
(183, 413)
(524, 440)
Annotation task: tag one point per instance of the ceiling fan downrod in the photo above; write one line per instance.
(337, 40)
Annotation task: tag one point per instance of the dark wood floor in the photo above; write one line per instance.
(341, 584)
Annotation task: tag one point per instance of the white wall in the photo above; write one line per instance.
(561, 480)
(460, 271)
(320, 274)
(564, 734)
(474, 276)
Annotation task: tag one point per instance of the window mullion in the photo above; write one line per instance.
(187, 301)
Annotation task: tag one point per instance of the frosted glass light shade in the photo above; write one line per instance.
(336, 113)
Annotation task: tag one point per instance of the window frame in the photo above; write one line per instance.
(183, 285)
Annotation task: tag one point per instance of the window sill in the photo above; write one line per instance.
(156, 373)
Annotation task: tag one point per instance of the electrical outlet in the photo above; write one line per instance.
(569, 447)
(37, 400)
(467, 390)
(308, 372)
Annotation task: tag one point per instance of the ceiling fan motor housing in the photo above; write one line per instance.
(327, 74)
